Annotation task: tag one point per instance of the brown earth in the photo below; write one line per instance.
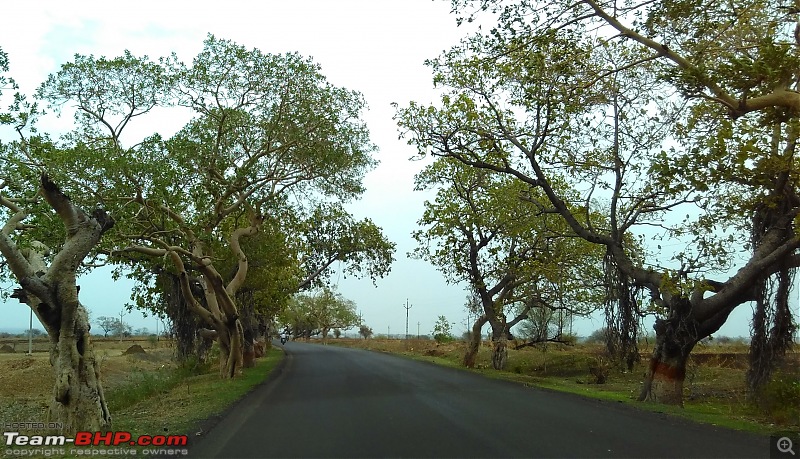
(26, 381)
(135, 349)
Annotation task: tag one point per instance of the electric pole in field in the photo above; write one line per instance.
(407, 306)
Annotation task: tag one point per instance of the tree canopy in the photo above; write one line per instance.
(653, 111)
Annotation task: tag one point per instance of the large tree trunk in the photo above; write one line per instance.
(474, 344)
(249, 325)
(666, 373)
(499, 347)
(188, 344)
(78, 400)
(231, 355)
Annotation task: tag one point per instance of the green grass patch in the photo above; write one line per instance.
(178, 405)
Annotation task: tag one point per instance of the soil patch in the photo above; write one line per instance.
(135, 349)
(6, 349)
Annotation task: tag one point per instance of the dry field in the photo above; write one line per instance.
(715, 390)
(26, 381)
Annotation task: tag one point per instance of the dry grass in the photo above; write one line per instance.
(26, 381)
(147, 394)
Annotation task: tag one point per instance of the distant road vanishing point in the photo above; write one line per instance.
(332, 402)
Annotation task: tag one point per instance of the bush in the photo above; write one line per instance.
(597, 337)
(443, 338)
(780, 398)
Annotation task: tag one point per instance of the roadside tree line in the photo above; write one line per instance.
(220, 222)
(637, 157)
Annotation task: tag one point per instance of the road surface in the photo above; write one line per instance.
(329, 401)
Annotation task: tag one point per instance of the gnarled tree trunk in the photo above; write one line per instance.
(474, 344)
(78, 402)
(499, 347)
(231, 344)
(185, 325)
(249, 327)
(666, 373)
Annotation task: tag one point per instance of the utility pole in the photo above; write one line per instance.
(122, 314)
(407, 306)
(417, 330)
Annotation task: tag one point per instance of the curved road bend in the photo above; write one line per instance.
(337, 402)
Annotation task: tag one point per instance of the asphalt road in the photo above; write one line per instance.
(335, 402)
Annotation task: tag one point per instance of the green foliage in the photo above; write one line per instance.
(143, 385)
(365, 331)
(780, 397)
(319, 313)
(264, 137)
(329, 234)
(489, 230)
(442, 330)
(597, 337)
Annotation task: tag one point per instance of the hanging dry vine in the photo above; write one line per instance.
(773, 325)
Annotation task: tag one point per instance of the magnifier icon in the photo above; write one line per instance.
(785, 445)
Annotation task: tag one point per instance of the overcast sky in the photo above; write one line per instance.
(376, 47)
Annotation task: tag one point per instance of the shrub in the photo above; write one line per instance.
(443, 338)
(780, 398)
(597, 337)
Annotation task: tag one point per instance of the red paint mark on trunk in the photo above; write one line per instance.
(667, 371)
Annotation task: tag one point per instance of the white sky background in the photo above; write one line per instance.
(376, 47)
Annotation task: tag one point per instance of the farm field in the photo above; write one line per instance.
(715, 389)
(147, 393)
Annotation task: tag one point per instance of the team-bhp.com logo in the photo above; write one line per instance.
(95, 439)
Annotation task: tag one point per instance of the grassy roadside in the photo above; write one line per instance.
(178, 404)
(147, 393)
(714, 393)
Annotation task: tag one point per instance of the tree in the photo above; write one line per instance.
(319, 313)
(329, 234)
(557, 98)
(108, 324)
(365, 331)
(47, 286)
(44, 239)
(331, 311)
(479, 230)
(442, 330)
(267, 128)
